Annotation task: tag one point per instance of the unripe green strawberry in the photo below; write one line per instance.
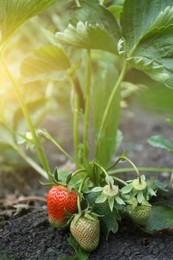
(86, 231)
(59, 199)
(140, 214)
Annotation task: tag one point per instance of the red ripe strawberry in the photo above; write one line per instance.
(86, 231)
(60, 199)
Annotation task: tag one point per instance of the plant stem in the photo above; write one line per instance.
(32, 163)
(78, 106)
(75, 127)
(124, 158)
(40, 151)
(78, 205)
(49, 137)
(78, 92)
(87, 105)
(141, 169)
(111, 98)
(79, 171)
(117, 161)
(79, 191)
(77, 3)
(120, 180)
(101, 2)
(134, 166)
(99, 166)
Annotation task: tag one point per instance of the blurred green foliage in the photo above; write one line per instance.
(153, 96)
(54, 97)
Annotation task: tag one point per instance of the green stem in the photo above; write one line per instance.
(32, 163)
(104, 171)
(77, 3)
(87, 105)
(78, 205)
(111, 99)
(134, 166)
(75, 127)
(79, 191)
(78, 106)
(124, 158)
(117, 161)
(120, 180)
(49, 137)
(78, 92)
(40, 151)
(79, 171)
(141, 169)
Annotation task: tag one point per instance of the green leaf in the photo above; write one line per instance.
(26, 138)
(38, 109)
(119, 200)
(47, 62)
(94, 13)
(170, 121)
(161, 142)
(81, 254)
(115, 10)
(6, 137)
(97, 189)
(63, 176)
(108, 143)
(128, 89)
(149, 41)
(76, 180)
(153, 17)
(87, 36)
(164, 221)
(102, 198)
(154, 57)
(126, 189)
(108, 221)
(109, 180)
(93, 27)
(151, 191)
(111, 202)
(156, 184)
(140, 197)
(14, 13)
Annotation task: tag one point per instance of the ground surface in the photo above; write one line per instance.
(24, 229)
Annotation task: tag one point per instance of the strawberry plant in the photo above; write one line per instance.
(92, 55)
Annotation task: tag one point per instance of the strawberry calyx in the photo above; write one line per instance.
(139, 189)
(109, 193)
(58, 177)
(110, 190)
(139, 184)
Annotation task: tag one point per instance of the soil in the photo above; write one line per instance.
(24, 229)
